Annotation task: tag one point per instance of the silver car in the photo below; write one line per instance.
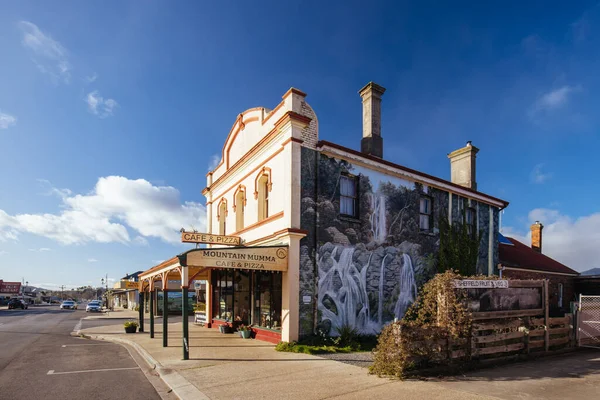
(94, 306)
(68, 305)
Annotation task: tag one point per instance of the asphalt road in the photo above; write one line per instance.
(39, 359)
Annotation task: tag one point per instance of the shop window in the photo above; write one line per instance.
(425, 214)
(348, 196)
(222, 217)
(263, 197)
(267, 300)
(239, 206)
(232, 296)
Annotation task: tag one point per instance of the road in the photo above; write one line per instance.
(39, 358)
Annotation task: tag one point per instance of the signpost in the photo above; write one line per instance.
(209, 238)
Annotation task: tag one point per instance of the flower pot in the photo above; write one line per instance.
(224, 329)
(130, 329)
(246, 334)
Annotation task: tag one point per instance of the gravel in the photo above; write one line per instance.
(360, 359)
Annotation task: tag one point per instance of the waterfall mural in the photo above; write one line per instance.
(364, 270)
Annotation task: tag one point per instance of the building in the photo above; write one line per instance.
(125, 293)
(519, 261)
(360, 233)
(9, 290)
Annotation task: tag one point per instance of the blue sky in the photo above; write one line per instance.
(110, 113)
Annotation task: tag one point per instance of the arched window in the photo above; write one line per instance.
(222, 216)
(263, 186)
(239, 204)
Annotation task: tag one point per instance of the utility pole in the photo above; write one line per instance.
(62, 296)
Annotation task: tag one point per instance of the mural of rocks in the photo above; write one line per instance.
(364, 271)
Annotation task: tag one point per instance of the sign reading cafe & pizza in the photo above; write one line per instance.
(481, 284)
(198, 237)
(271, 258)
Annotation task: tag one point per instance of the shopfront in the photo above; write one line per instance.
(247, 298)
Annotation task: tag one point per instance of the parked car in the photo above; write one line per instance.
(94, 306)
(17, 303)
(68, 305)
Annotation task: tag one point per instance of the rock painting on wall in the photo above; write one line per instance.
(368, 267)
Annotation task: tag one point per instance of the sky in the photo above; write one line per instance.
(111, 113)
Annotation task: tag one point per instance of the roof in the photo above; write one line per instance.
(432, 178)
(133, 275)
(519, 255)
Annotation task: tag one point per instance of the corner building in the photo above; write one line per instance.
(362, 233)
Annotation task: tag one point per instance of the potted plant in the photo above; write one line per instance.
(130, 326)
(245, 331)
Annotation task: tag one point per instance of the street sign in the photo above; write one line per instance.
(481, 284)
(209, 238)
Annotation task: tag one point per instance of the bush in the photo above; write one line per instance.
(125, 305)
(136, 308)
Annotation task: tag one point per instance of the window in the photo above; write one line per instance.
(560, 294)
(222, 216)
(470, 220)
(263, 197)
(425, 214)
(239, 210)
(348, 196)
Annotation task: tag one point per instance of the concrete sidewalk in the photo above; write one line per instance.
(225, 366)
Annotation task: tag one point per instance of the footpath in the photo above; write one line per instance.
(225, 366)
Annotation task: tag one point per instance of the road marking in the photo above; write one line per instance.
(78, 326)
(51, 372)
(87, 344)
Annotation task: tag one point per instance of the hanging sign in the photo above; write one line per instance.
(480, 284)
(267, 258)
(209, 238)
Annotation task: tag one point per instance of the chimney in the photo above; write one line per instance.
(463, 166)
(372, 142)
(536, 236)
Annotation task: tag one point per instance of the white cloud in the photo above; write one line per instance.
(140, 241)
(41, 250)
(100, 106)
(49, 55)
(554, 99)
(92, 260)
(572, 241)
(538, 175)
(115, 206)
(214, 161)
(3, 252)
(7, 120)
(156, 262)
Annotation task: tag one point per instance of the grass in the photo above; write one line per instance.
(347, 342)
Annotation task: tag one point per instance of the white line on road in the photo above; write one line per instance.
(51, 372)
(87, 344)
(77, 327)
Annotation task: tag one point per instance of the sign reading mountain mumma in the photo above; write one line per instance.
(481, 284)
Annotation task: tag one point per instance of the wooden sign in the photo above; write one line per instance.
(267, 258)
(197, 237)
(480, 284)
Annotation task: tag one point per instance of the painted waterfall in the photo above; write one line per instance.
(347, 295)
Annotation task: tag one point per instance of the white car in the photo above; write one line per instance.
(94, 306)
(68, 305)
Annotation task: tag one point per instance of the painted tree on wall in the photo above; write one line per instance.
(459, 249)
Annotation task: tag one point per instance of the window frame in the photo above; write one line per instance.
(429, 214)
(471, 227)
(355, 199)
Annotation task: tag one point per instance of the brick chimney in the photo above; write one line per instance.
(463, 166)
(536, 236)
(372, 142)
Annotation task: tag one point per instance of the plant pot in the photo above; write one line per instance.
(224, 329)
(130, 329)
(246, 334)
